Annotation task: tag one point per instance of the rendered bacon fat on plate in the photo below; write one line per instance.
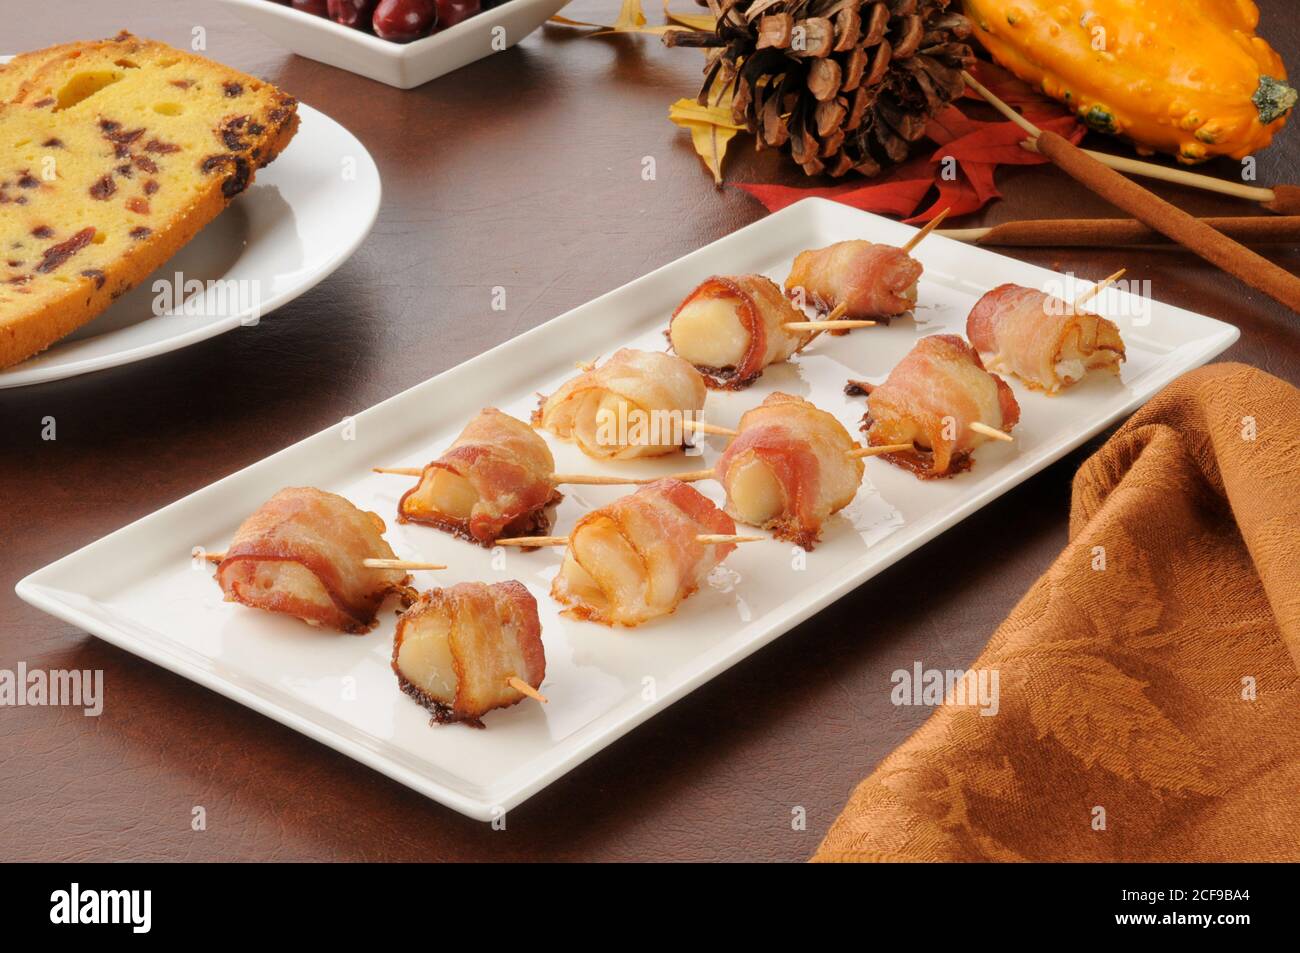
(494, 480)
(639, 557)
(633, 405)
(301, 554)
(731, 328)
(1040, 338)
(872, 282)
(789, 469)
(456, 649)
(930, 399)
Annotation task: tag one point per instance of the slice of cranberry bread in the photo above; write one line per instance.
(114, 154)
(19, 69)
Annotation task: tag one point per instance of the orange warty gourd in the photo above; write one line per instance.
(1188, 77)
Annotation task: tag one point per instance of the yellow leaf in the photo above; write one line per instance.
(631, 19)
(711, 143)
(712, 129)
(696, 21)
(647, 30)
(565, 21)
(688, 110)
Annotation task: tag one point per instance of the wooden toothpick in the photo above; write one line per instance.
(882, 448)
(1000, 106)
(986, 430)
(523, 688)
(399, 564)
(583, 479)
(589, 479)
(711, 539)
(829, 324)
(690, 476)
(533, 541)
(929, 227)
(1097, 289)
(700, 427)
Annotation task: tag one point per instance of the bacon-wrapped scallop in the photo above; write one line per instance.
(868, 281)
(930, 400)
(301, 554)
(639, 557)
(636, 404)
(789, 469)
(731, 328)
(494, 480)
(457, 650)
(1040, 338)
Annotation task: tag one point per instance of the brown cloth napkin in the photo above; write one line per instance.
(1161, 689)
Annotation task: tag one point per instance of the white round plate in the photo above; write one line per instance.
(304, 215)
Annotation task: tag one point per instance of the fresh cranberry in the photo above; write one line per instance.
(353, 13)
(451, 12)
(405, 20)
(316, 7)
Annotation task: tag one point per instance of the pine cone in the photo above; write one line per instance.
(846, 84)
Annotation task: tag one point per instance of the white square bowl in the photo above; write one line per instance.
(404, 65)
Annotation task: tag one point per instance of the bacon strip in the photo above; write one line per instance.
(638, 558)
(456, 648)
(804, 473)
(494, 480)
(731, 343)
(301, 554)
(930, 399)
(874, 282)
(633, 405)
(1040, 338)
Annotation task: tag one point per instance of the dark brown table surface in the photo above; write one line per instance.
(522, 170)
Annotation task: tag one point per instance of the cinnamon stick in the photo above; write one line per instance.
(1282, 199)
(1103, 232)
(1286, 200)
(1213, 246)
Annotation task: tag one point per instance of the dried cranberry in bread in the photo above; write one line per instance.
(113, 155)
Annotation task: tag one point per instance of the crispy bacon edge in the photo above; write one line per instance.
(983, 320)
(697, 507)
(498, 469)
(536, 521)
(911, 271)
(749, 369)
(523, 600)
(797, 469)
(921, 462)
(353, 619)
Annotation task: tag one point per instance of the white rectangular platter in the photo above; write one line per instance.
(139, 589)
